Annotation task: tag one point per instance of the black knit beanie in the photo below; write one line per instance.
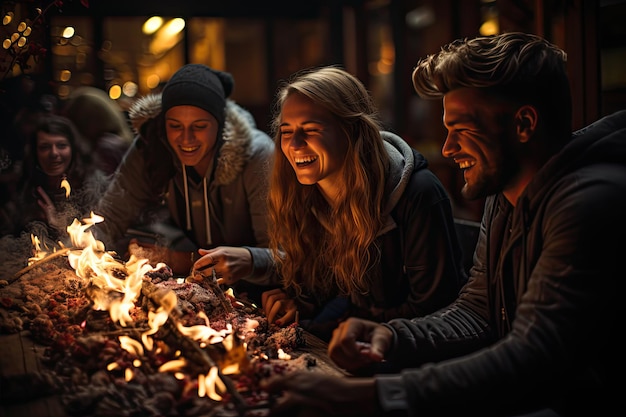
(200, 86)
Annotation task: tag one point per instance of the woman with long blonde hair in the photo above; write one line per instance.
(358, 224)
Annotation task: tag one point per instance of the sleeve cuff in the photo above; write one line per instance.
(262, 266)
(391, 395)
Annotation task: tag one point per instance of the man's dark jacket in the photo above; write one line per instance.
(538, 324)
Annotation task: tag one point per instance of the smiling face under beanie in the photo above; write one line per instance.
(200, 86)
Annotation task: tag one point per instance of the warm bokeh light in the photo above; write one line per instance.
(8, 18)
(130, 89)
(168, 36)
(489, 27)
(63, 91)
(68, 32)
(152, 81)
(65, 75)
(383, 68)
(152, 25)
(174, 26)
(115, 92)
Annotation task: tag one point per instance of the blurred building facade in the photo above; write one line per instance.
(112, 45)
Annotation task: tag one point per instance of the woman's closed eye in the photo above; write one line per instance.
(174, 126)
(306, 132)
(312, 130)
(200, 126)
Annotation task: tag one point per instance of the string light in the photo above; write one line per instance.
(22, 51)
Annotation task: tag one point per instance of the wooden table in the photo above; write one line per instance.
(20, 357)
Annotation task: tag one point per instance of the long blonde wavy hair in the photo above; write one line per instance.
(320, 249)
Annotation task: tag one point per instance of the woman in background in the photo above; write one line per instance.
(55, 186)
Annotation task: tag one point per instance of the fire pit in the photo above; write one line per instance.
(128, 338)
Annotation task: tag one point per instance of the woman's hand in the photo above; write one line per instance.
(53, 218)
(230, 263)
(279, 308)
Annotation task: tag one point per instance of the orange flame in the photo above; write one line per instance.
(131, 345)
(208, 383)
(97, 267)
(66, 185)
(101, 270)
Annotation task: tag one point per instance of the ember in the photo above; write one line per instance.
(129, 339)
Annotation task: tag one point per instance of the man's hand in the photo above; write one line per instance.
(278, 307)
(357, 343)
(313, 393)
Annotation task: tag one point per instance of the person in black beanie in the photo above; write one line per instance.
(195, 179)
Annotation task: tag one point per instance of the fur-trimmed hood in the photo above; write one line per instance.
(234, 146)
(225, 206)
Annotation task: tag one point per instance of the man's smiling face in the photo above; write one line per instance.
(481, 140)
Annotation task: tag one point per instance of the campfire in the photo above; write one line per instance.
(128, 338)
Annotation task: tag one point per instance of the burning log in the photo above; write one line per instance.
(48, 258)
(212, 285)
(193, 351)
(170, 333)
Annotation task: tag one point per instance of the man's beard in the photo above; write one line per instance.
(490, 182)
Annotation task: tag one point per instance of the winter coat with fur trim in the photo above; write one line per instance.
(235, 186)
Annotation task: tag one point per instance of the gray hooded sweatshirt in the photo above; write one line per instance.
(226, 207)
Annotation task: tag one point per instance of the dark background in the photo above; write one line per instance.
(262, 43)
